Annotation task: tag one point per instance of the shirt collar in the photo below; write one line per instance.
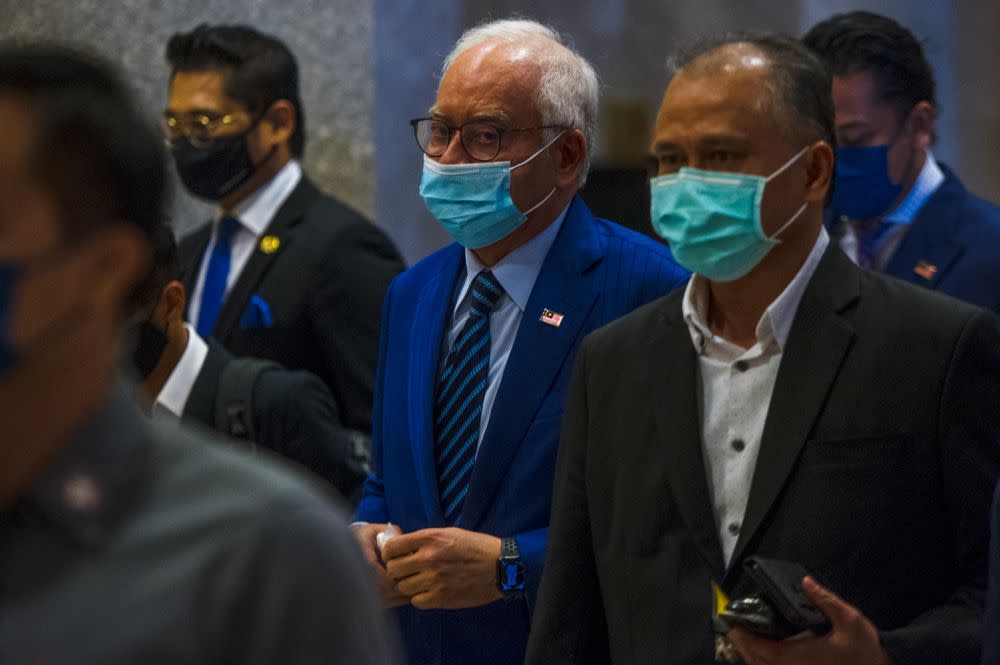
(776, 323)
(256, 211)
(83, 489)
(928, 181)
(517, 271)
(174, 395)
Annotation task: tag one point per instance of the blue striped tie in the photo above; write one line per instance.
(216, 276)
(460, 397)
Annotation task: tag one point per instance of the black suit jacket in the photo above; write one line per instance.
(293, 415)
(324, 286)
(876, 468)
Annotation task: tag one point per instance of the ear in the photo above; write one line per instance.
(173, 301)
(921, 121)
(819, 169)
(279, 122)
(571, 154)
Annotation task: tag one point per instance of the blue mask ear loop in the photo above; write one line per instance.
(760, 197)
(540, 151)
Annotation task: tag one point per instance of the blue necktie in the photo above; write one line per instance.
(871, 239)
(460, 397)
(214, 290)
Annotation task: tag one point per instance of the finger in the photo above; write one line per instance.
(414, 585)
(839, 612)
(753, 649)
(403, 544)
(426, 601)
(407, 565)
(396, 600)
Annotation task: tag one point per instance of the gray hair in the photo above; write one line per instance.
(568, 93)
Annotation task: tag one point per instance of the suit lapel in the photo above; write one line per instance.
(428, 329)
(282, 228)
(193, 253)
(932, 246)
(672, 377)
(817, 344)
(565, 286)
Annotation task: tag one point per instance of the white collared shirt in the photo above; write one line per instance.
(173, 397)
(516, 273)
(735, 387)
(254, 214)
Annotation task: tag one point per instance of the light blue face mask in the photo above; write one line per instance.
(472, 201)
(711, 219)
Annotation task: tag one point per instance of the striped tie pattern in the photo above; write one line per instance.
(460, 394)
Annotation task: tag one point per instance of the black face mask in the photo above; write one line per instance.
(150, 343)
(217, 170)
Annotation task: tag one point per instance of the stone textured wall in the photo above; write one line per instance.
(333, 40)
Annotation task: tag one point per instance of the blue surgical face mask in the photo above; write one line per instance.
(862, 188)
(711, 219)
(472, 201)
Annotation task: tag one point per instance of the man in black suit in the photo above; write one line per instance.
(183, 377)
(283, 272)
(785, 404)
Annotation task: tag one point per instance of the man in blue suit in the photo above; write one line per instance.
(895, 208)
(478, 340)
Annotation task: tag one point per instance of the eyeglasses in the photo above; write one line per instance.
(200, 128)
(481, 140)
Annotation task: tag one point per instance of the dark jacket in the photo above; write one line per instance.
(876, 470)
(293, 415)
(323, 283)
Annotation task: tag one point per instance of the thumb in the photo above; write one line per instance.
(836, 609)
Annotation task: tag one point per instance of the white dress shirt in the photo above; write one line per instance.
(928, 181)
(516, 273)
(173, 397)
(254, 214)
(735, 387)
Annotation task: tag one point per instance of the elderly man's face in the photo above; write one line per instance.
(497, 83)
(715, 116)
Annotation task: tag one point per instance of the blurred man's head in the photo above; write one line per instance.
(81, 186)
(747, 105)
(234, 117)
(511, 92)
(884, 99)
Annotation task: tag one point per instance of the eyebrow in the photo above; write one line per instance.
(854, 125)
(704, 142)
(493, 116)
(195, 112)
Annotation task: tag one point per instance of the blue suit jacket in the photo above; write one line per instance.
(959, 234)
(595, 272)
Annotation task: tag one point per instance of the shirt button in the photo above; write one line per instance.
(738, 445)
(741, 366)
(734, 528)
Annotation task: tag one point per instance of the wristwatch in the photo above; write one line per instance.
(510, 570)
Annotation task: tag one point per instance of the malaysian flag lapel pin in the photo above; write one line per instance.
(925, 270)
(554, 319)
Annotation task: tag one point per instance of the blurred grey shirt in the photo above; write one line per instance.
(151, 546)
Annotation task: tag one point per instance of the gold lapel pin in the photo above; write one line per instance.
(925, 270)
(270, 244)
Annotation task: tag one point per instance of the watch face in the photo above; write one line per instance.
(512, 576)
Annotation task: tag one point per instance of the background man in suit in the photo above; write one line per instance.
(119, 542)
(895, 208)
(786, 404)
(283, 272)
(479, 337)
(183, 377)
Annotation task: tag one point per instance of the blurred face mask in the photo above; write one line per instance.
(472, 201)
(862, 187)
(712, 219)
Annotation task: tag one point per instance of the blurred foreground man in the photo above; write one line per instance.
(479, 340)
(120, 543)
(786, 404)
(896, 209)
